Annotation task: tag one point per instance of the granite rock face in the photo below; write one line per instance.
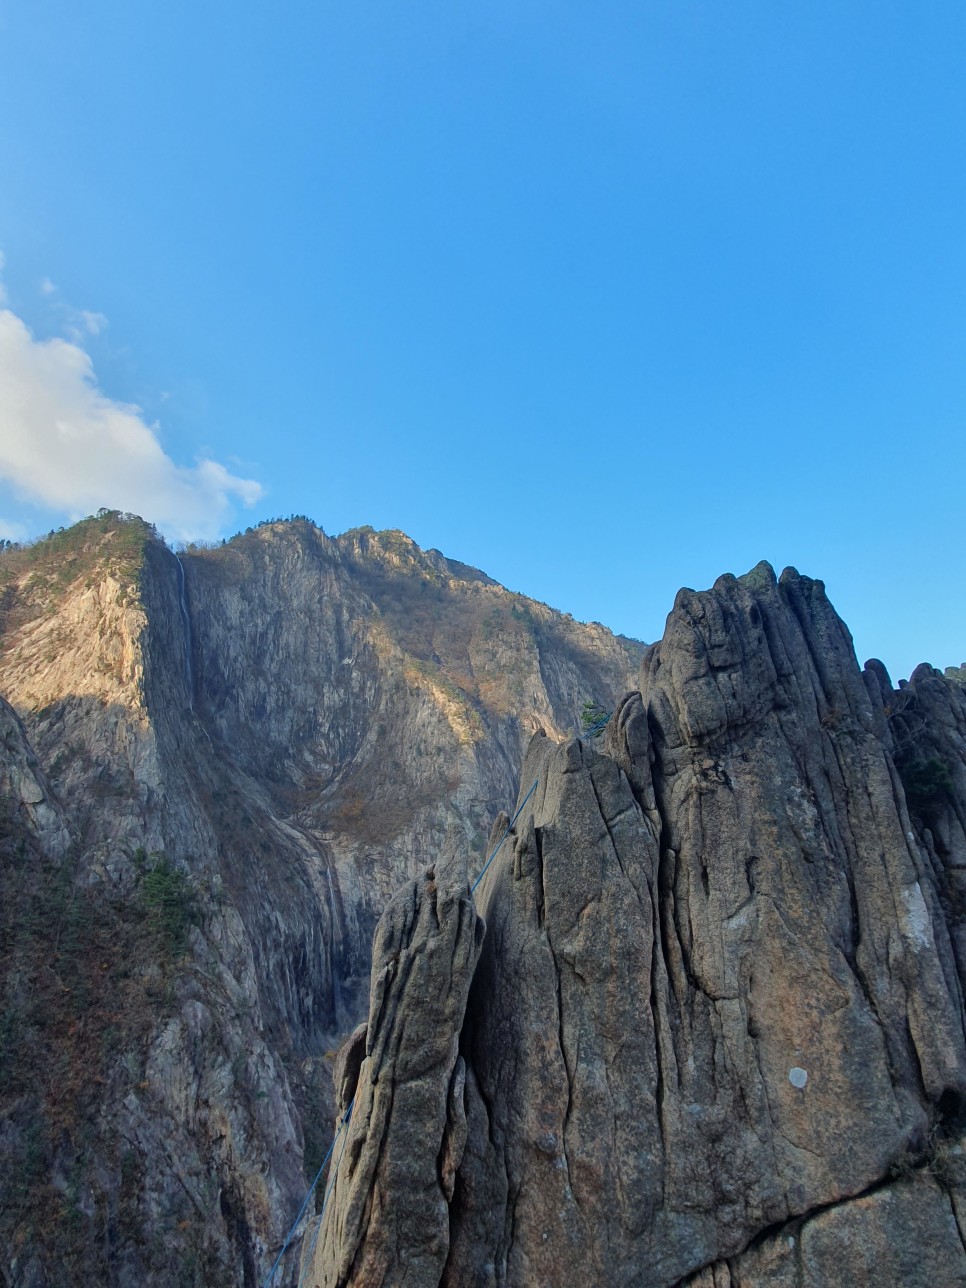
(388, 1207)
(215, 770)
(715, 1034)
(31, 809)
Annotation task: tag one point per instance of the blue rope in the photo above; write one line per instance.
(325, 1198)
(305, 1201)
(504, 836)
(596, 728)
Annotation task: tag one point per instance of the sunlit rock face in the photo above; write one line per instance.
(215, 772)
(715, 1030)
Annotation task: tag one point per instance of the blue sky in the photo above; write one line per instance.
(604, 299)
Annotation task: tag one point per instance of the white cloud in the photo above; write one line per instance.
(94, 323)
(66, 445)
(80, 323)
(77, 323)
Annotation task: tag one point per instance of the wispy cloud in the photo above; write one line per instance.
(94, 323)
(67, 445)
(12, 531)
(76, 323)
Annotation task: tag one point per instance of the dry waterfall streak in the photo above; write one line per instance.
(186, 623)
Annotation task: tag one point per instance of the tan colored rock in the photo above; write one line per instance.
(904, 1232)
(26, 798)
(718, 1004)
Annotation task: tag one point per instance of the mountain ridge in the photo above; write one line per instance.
(249, 746)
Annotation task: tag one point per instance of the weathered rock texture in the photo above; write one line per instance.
(716, 1029)
(215, 772)
(399, 1153)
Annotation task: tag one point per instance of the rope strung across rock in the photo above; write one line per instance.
(305, 1202)
(504, 836)
(325, 1198)
(596, 728)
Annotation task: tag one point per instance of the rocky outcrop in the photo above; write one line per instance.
(31, 814)
(905, 1232)
(924, 727)
(713, 1032)
(215, 771)
(716, 1029)
(388, 1204)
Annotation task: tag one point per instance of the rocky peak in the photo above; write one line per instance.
(716, 1026)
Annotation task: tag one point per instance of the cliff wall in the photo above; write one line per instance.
(216, 769)
(713, 1032)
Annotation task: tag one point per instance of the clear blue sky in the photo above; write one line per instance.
(605, 299)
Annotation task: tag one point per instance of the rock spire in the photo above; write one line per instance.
(714, 1030)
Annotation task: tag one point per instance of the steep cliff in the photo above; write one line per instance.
(215, 771)
(715, 1031)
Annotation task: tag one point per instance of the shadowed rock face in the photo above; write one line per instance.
(716, 1026)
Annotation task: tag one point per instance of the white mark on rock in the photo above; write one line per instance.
(739, 920)
(797, 1077)
(916, 924)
